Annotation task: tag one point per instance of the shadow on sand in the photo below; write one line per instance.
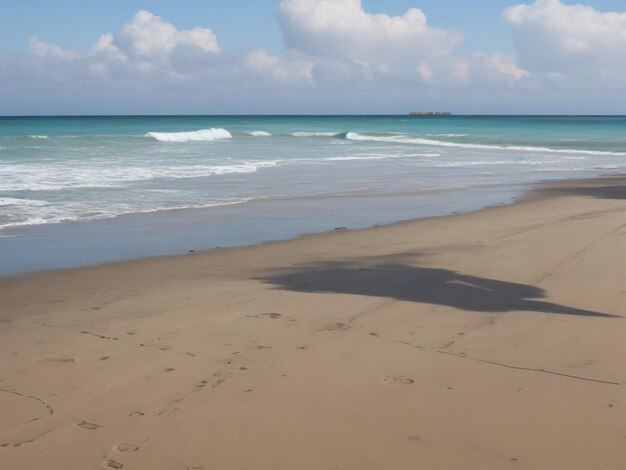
(419, 284)
(602, 188)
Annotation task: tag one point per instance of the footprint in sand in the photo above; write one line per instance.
(87, 425)
(126, 447)
(171, 411)
(202, 384)
(110, 463)
(112, 338)
(335, 327)
(272, 315)
(112, 457)
(397, 380)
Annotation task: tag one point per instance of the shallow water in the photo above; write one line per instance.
(70, 169)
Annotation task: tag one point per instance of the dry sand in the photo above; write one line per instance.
(489, 340)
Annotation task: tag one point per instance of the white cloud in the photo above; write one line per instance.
(149, 45)
(50, 51)
(339, 58)
(346, 43)
(150, 36)
(499, 65)
(377, 45)
(342, 28)
(284, 70)
(574, 41)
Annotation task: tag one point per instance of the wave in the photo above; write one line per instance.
(403, 139)
(382, 156)
(31, 178)
(28, 221)
(430, 155)
(12, 201)
(37, 137)
(316, 134)
(447, 135)
(77, 213)
(202, 135)
(259, 134)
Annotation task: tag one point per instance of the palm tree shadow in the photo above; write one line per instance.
(422, 285)
(603, 188)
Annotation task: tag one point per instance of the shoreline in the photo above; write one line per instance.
(490, 339)
(76, 244)
(522, 193)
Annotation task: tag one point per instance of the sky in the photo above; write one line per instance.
(312, 57)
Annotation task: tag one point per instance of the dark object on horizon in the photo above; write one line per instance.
(430, 113)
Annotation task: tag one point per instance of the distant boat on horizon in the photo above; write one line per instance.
(430, 113)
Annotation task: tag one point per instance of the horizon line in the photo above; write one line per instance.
(451, 115)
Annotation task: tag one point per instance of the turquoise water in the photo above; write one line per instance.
(60, 169)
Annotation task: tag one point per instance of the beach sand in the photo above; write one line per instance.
(487, 340)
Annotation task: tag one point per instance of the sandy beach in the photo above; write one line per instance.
(488, 340)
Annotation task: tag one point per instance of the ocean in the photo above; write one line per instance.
(289, 174)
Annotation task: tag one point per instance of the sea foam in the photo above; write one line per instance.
(260, 134)
(11, 201)
(62, 177)
(202, 135)
(316, 134)
(403, 139)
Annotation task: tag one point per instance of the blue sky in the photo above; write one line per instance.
(503, 58)
(239, 24)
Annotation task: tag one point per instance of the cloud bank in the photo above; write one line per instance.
(575, 44)
(338, 58)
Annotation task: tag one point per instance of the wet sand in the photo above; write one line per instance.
(487, 340)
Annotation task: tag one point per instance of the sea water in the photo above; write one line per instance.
(57, 170)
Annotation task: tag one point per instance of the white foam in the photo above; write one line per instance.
(403, 139)
(347, 159)
(428, 155)
(27, 177)
(11, 201)
(83, 212)
(316, 134)
(37, 137)
(380, 156)
(259, 134)
(28, 221)
(202, 135)
(447, 135)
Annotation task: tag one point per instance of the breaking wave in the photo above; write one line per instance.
(403, 139)
(316, 134)
(447, 135)
(61, 177)
(259, 134)
(12, 201)
(203, 135)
